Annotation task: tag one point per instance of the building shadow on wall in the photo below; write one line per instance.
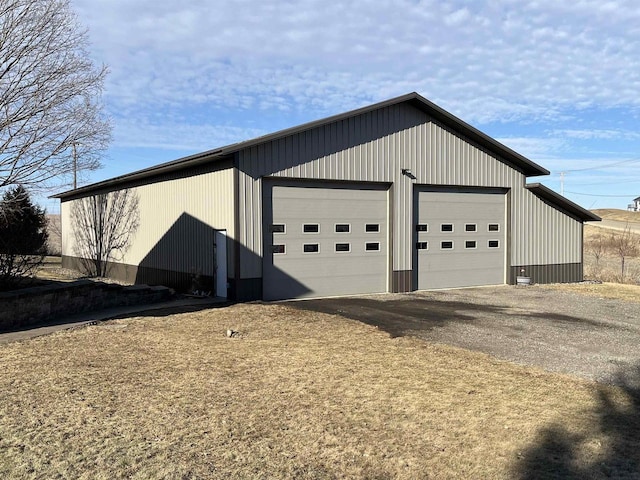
(184, 259)
(608, 448)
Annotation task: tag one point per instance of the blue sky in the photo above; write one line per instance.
(559, 82)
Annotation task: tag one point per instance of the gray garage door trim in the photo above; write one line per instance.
(325, 239)
(461, 237)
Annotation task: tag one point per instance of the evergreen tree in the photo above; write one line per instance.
(23, 237)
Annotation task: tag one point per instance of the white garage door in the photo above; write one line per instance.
(323, 241)
(460, 239)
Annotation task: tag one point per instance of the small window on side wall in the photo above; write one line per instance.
(311, 228)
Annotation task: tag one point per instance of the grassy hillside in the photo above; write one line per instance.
(616, 214)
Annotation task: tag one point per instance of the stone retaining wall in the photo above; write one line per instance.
(31, 306)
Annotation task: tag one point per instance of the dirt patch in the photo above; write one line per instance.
(298, 394)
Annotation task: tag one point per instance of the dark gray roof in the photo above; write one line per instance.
(562, 202)
(636, 199)
(528, 167)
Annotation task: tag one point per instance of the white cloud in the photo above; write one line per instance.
(597, 134)
(172, 135)
(492, 61)
(535, 148)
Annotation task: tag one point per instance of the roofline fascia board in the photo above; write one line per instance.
(562, 202)
(528, 167)
(175, 165)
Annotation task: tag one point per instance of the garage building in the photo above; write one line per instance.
(394, 197)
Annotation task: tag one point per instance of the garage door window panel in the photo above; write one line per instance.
(278, 228)
(311, 248)
(343, 228)
(446, 245)
(446, 227)
(470, 227)
(470, 244)
(422, 227)
(422, 245)
(278, 249)
(494, 244)
(311, 228)
(372, 247)
(372, 228)
(494, 227)
(343, 247)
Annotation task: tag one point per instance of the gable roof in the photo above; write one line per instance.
(528, 167)
(562, 202)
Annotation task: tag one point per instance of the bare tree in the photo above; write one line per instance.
(103, 226)
(625, 244)
(597, 247)
(51, 121)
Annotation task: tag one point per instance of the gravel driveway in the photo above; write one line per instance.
(594, 338)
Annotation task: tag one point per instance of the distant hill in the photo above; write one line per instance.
(616, 214)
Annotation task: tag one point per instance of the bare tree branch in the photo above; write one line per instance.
(50, 94)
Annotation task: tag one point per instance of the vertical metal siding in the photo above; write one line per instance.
(374, 147)
(171, 213)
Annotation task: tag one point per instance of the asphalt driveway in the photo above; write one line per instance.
(594, 338)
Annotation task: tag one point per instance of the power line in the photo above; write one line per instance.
(595, 195)
(637, 180)
(606, 165)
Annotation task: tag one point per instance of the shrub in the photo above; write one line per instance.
(23, 237)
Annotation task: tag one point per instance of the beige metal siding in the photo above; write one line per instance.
(375, 147)
(172, 213)
(542, 234)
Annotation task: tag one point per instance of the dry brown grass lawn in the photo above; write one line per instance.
(619, 291)
(297, 395)
(608, 267)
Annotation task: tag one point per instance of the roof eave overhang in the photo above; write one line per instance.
(526, 166)
(562, 202)
(162, 169)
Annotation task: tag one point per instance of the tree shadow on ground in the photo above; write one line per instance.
(609, 448)
(414, 314)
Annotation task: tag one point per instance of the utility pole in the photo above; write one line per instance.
(75, 166)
